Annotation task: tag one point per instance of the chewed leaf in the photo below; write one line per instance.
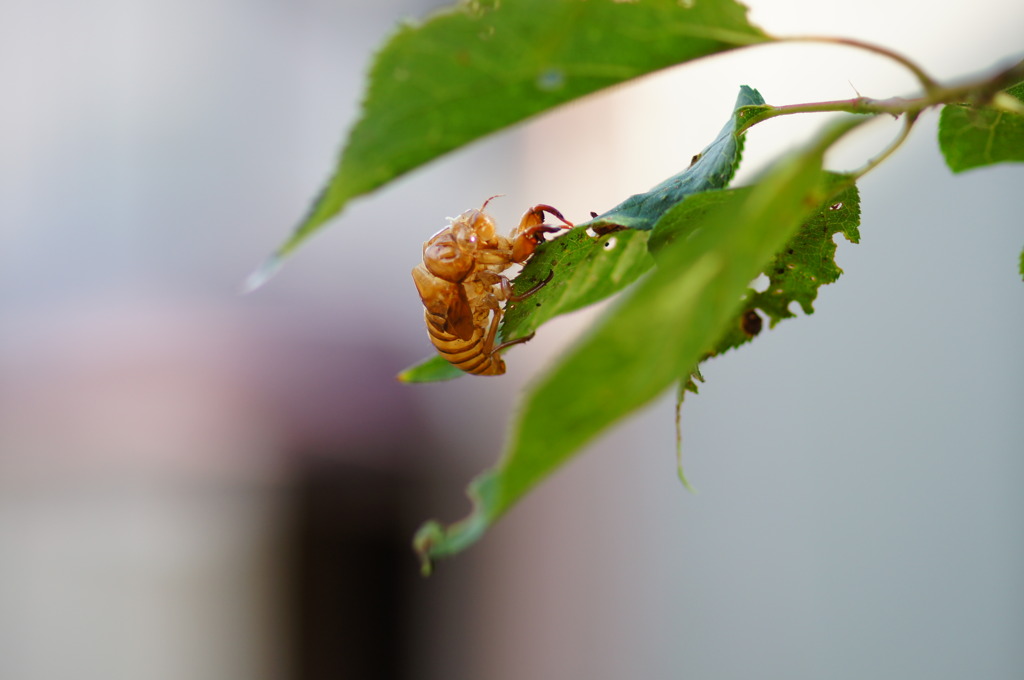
(809, 259)
(795, 273)
(972, 137)
(477, 67)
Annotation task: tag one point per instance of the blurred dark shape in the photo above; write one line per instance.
(353, 576)
(355, 438)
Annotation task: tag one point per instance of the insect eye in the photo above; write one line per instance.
(465, 236)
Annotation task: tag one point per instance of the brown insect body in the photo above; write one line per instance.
(461, 284)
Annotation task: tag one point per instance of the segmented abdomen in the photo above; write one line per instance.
(468, 355)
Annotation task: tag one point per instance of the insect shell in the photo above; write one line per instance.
(461, 284)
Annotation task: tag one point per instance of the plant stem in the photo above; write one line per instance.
(976, 91)
(908, 124)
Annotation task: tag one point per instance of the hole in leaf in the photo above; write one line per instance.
(836, 206)
(611, 243)
(760, 284)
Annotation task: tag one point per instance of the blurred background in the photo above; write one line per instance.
(198, 484)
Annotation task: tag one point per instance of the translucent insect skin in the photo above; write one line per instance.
(461, 284)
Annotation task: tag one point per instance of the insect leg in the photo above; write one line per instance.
(530, 232)
(535, 217)
(492, 331)
(512, 342)
(528, 293)
(504, 291)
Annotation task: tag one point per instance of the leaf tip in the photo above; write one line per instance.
(432, 369)
(434, 540)
(687, 385)
(428, 536)
(684, 480)
(266, 271)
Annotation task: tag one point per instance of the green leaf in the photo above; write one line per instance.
(431, 369)
(808, 261)
(477, 67)
(584, 269)
(687, 384)
(797, 271)
(713, 168)
(972, 137)
(653, 338)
